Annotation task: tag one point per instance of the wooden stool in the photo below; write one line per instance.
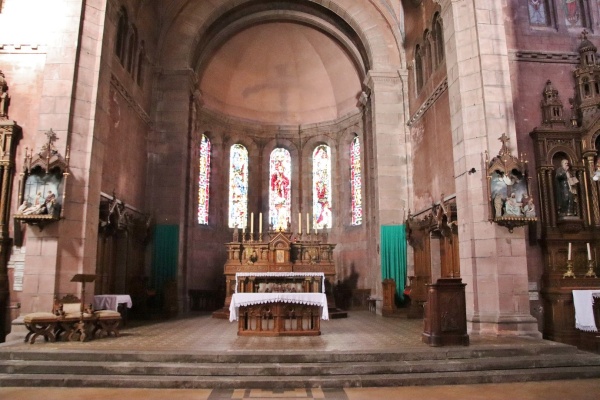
(40, 323)
(107, 322)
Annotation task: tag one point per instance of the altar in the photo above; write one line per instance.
(279, 303)
(283, 278)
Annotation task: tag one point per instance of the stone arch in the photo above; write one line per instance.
(182, 48)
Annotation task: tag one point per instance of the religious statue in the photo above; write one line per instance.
(566, 189)
(512, 207)
(4, 97)
(498, 203)
(529, 208)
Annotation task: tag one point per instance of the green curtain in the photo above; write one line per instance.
(393, 256)
(165, 255)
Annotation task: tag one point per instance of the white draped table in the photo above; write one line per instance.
(247, 299)
(111, 301)
(583, 300)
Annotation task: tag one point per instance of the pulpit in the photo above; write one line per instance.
(445, 322)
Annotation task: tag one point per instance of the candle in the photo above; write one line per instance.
(307, 225)
(251, 223)
(259, 222)
(299, 223)
(589, 252)
(569, 255)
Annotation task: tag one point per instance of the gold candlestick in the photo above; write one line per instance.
(569, 273)
(590, 273)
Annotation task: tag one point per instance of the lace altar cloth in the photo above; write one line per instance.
(281, 274)
(247, 299)
(583, 301)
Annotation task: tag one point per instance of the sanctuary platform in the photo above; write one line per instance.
(363, 350)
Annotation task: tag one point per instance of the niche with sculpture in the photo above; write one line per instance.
(510, 201)
(42, 183)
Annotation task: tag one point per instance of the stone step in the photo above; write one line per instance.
(292, 369)
(442, 353)
(251, 382)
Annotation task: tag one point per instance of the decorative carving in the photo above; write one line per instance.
(510, 204)
(42, 183)
(4, 97)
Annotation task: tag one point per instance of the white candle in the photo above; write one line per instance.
(589, 252)
(251, 223)
(569, 255)
(259, 222)
(307, 225)
(299, 223)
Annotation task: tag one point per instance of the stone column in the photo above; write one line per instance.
(389, 194)
(493, 262)
(68, 106)
(169, 146)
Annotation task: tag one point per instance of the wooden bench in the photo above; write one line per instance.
(40, 324)
(74, 318)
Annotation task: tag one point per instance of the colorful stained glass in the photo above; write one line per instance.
(238, 186)
(204, 181)
(322, 217)
(573, 13)
(538, 12)
(280, 189)
(356, 182)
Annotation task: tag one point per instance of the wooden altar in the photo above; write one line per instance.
(282, 251)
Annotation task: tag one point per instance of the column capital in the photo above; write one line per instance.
(382, 77)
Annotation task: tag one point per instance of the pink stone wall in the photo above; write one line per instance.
(430, 135)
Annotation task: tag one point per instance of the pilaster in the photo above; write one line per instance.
(493, 261)
(391, 187)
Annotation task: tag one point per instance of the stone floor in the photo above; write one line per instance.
(201, 333)
(361, 330)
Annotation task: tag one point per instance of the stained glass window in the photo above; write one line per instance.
(538, 12)
(238, 186)
(573, 13)
(280, 193)
(322, 217)
(204, 181)
(356, 182)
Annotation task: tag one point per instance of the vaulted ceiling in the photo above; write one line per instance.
(272, 61)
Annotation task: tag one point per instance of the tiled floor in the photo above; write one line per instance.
(360, 331)
(588, 389)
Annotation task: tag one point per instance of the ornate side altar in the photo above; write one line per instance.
(278, 261)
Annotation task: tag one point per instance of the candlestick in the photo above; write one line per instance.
(260, 223)
(299, 223)
(569, 273)
(569, 254)
(251, 223)
(590, 273)
(589, 252)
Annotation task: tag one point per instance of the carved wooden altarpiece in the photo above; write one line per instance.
(282, 251)
(570, 212)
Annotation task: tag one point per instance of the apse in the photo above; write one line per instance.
(281, 73)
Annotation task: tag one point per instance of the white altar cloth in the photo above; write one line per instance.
(111, 301)
(246, 299)
(584, 312)
(281, 275)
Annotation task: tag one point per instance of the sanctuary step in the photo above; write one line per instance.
(294, 369)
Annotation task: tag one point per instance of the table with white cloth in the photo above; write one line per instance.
(583, 301)
(114, 302)
(278, 314)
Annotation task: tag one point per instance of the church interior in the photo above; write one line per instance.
(381, 152)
